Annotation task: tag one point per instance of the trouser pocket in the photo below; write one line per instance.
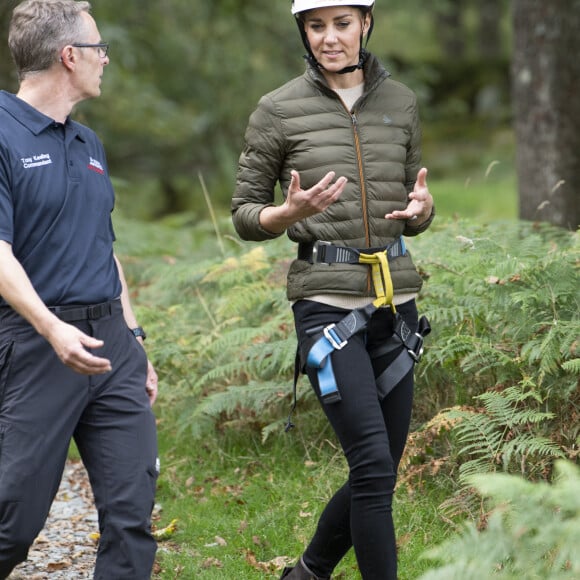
(6, 349)
(1, 442)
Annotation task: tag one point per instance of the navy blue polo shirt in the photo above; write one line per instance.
(56, 200)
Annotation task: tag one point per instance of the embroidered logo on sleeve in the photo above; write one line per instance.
(36, 161)
(96, 166)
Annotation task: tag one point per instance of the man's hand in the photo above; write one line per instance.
(151, 384)
(72, 347)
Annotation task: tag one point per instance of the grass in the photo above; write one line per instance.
(239, 504)
(485, 199)
(246, 509)
(471, 170)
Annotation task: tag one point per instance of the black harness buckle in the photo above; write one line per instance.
(413, 341)
(319, 252)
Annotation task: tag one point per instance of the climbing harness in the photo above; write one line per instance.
(335, 336)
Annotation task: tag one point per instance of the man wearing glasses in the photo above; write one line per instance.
(72, 362)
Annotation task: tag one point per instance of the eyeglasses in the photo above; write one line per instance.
(102, 47)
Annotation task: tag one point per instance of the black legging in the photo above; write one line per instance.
(372, 435)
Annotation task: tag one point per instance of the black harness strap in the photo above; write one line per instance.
(356, 321)
(321, 252)
(408, 357)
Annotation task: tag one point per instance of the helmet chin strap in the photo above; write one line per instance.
(347, 69)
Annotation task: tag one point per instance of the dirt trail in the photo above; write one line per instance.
(64, 549)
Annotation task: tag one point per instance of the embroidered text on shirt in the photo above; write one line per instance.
(36, 161)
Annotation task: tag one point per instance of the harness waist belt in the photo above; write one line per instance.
(74, 313)
(321, 252)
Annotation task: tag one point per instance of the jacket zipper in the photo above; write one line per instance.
(363, 189)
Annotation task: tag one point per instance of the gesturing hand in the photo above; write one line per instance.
(305, 203)
(302, 203)
(420, 202)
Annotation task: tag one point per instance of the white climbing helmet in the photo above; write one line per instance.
(303, 5)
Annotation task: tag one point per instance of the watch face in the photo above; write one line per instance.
(139, 332)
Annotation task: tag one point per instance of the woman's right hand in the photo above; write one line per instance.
(301, 203)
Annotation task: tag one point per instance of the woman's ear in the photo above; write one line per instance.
(366, 23)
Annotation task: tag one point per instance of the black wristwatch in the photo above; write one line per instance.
(139, 332)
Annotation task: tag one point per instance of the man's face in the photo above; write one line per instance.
(90, 67)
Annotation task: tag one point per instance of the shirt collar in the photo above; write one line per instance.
(35, 121)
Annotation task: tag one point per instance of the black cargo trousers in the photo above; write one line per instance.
(43, 404)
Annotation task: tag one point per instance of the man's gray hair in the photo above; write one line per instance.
(40, 29)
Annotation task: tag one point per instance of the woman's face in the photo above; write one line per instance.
(334, 35)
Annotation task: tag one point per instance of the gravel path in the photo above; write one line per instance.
(64, 549)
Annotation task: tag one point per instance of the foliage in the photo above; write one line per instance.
(185, 75)
(502, 301)
(504, 306)
(245, 355)
(533, 532)
(501, 435)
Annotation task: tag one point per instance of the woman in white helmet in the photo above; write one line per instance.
(343, 141)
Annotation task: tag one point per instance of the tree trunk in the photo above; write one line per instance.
(546, 97)
(489, 32)
(450, 28)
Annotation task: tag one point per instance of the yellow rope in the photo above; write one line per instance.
(382, 280)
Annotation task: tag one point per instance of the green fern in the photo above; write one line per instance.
(572, 366)
(502, 300)
(533, 532)
(502, 434)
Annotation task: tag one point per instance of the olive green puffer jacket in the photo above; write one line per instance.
(304, 125)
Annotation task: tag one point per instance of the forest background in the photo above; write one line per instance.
(184, 77)
(498, 387)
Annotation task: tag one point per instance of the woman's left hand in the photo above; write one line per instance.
(420, 203)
